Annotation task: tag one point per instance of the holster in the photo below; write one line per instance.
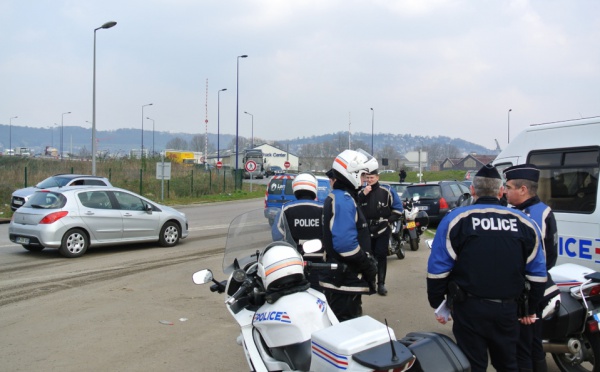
(523, 301)
(455, 294)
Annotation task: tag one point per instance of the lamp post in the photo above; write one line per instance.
(509, 110)
(237, 113)
(62, 130)
(219, 119)
(106, 25)
(142, 150)
(10, 135)
(152, 134)
(372, 130)
(252, 133)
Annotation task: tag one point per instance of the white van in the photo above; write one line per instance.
(568, 156)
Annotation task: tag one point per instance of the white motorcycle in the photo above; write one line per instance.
(288, 326)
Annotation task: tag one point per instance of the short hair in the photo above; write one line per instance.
(532, 186)
(484, 186)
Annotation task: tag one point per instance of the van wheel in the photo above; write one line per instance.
(74, 243)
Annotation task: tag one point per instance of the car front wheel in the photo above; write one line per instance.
(74, 243)
(169, 234)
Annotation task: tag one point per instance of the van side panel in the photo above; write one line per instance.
(568, 155)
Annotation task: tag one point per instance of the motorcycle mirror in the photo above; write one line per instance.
(429, 242)
(312, 246)
(202, 276)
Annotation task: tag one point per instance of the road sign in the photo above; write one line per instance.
(250, 166)
(219, 164)
(163, 171)
(286, 164)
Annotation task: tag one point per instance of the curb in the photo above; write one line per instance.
(4, 220)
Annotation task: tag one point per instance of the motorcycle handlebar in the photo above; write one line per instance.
(316, 265)
(239, 293)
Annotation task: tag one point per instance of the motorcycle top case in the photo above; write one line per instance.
(435, 352)
(333, 347)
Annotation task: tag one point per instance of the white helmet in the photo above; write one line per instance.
(352, 164)
(280, 264)
(305, 181)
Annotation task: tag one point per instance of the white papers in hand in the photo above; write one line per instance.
(443, 311)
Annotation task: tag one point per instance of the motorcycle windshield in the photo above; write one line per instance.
(248, 235)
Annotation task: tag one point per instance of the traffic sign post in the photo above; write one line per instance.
(286, 165)
(250, 168)
(219, 164)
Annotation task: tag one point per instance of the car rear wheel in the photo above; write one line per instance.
(33, 248)
(169, 234)
(74, 243)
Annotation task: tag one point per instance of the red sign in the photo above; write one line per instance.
(250, 166)
(219, 164)
(286, 164)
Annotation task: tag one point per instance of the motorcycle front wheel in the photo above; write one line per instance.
(414, 244)
(584, 359)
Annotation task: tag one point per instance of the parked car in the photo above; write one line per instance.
(400, 187)
(74, 219)
(437, 197)
(387, 171)
(470, 174)
(279, 191)
(20, 196)
(273, 170)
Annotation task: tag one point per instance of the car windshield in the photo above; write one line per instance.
(53, 182)
(46, 200)
(424, 191)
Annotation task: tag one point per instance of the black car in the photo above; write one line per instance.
(437, 197)
(273, 170)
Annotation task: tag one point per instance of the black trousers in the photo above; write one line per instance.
(481, 326)
(345, 306)
(529, 348)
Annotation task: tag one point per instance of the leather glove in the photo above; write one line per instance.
(370, 270)
(393, 218)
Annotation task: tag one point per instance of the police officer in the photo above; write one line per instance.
(346, 238)
(381, 206)
(303, 219)
(521, 192)
(480, 259)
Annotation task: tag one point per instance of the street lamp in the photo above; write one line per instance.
(237, 111)
(152, 134)
(10, 135)
(372, 129)
(62, 129)
(509, 110)
(142, 153)
(218, 119)
(106, 25)
(252, 138)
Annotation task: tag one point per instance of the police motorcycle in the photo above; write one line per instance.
(408, 229)
(287, 326)
(570, 328)
(570, 321)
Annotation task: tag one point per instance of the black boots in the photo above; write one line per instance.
(381, 270)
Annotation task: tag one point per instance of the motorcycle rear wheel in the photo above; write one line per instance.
(585, 359)
(414, 244)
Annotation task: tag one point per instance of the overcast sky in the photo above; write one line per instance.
(426, 67)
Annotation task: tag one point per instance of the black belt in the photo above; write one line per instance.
(496, 300)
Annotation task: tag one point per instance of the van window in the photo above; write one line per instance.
(568, 178)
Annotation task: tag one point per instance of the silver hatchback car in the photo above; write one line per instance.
(73, 219)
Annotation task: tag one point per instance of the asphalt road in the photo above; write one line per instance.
(135, 308)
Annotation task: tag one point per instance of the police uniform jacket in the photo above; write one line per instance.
(544, 217)
(380, 205)
(488, 250)
(303, 219)
(346, 240)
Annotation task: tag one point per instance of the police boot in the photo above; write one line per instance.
(540, 366)
(381, 269)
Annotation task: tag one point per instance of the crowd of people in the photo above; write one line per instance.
(485, 257)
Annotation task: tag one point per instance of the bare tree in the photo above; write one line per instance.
(197, 143)
(177, 144)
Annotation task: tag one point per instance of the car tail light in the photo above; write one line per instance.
(53, 217)
(443, 203)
